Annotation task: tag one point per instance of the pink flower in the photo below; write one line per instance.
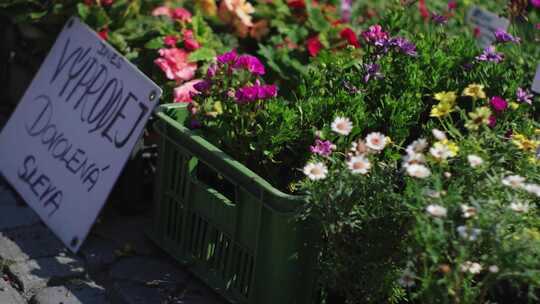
(322, 147)
(174, 63)
(186, 91)
(190, 43)
(314, 46)
(162, 11)
(375, 34)
(181, 14)
(498, 103)
(170, 40)
(452, 5)
(535, 3)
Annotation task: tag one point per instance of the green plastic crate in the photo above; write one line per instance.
(233, 229)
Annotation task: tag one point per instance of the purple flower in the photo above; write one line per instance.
(372, 71)
(250, 63)
(492, 121)
(203, 85)
(248, 94)
(498, 103)
(346, 10)
(524, 96)
(322, 147)
(404, 45)
(195, 124)
(535, 3)
(375, 34)
(227, 57)
(212, 70)
(439, 19)
(502, 36)
(490, 54)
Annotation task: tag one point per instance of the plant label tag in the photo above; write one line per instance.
(67, 141)
(486, 23)
(536, 82)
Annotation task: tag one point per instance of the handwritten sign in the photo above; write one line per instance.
(536, 82)
(486, 22)
(71, 134)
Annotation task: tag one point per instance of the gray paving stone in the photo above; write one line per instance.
(13, 216)
(8, 295)
(98, 253)
(198, 293)
(36, 274)
(148, 270)
(82, 293)
(127, 230)
(29, 243)
(126, 292)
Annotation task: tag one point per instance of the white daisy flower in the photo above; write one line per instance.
(438, 134)
(533, 189)
(468, 211)
(376, 141)
(359, 164)
(447, 174)
(407, 278)
(514, 181)
(413, 158)
(418, 171)
(440, 151)
(470, 234)
(432, 193)
(436, 210)
(417, 146)
(358, 147)
(519, 207)
(493, 268)
(342, 125)
(315, 171)
(474, 160)
(471, 267)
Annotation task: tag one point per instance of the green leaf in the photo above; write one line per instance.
(202, 54)
(316, 20)
(154, 44)
(83, 11)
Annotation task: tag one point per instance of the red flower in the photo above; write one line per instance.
(170, 40)
(476, 32)
(452, 5)
(298, 4)
(424, 12)
(190, 43)
(350, 36)
(106, 2)
(314, 45)
(104, 34)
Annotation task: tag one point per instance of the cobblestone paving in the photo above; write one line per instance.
(117, 264)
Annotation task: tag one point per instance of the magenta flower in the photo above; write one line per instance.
(498, 103)
(249, 94)
(170, 40)
(227, 57)
(524, 96)
(492, 121)
(490, 55)
(375, 34)
(502, 36)
(535, 3)
(322, 147)
(250, 63)
(212, 70)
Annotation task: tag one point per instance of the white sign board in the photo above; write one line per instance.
(536, 83)
(71, 134)
(486, 22)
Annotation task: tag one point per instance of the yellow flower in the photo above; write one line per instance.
(476, 91)
(514, 105)
(452, 147)
(536, 131)
(442, 109)
(523, 143)
(479, 117)
(446, 97)
(534, 160)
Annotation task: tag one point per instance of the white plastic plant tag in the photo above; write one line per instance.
(536, 82)
(486, 22)
(72, 132)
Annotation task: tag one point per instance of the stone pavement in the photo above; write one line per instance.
(117, 264)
